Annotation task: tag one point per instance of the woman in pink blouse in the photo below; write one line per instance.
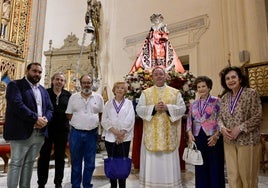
(203, 129)
(240, 119)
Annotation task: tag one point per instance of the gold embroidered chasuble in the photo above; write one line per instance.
(160, 134)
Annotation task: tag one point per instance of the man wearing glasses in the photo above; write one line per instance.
(83, 112)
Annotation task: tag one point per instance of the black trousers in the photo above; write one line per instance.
(211, 173)
(59, 141)
(117, 151)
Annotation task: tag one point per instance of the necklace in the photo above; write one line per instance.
(57, 99)
(118, 108)
(85, 99)
(233, 103)
(85, 104)
(57, 93)
(202, 109)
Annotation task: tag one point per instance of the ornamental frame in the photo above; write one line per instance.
(258, 78)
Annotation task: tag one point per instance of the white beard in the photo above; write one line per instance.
(86, 91)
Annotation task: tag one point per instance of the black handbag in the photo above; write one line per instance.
(117, 167)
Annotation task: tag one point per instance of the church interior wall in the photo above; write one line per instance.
(209, 55)
(233, 26)
(135, 19)
(223, 40)
(63, 17)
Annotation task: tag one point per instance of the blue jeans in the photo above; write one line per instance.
(23, 155)
(83, 145)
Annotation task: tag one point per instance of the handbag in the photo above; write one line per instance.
(192, 155)
(117, 167)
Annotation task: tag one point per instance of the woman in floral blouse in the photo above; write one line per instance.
(202, 127)
(240, 119)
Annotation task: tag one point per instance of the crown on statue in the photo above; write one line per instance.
(157, 23)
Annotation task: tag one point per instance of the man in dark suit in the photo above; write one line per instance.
(27, 112)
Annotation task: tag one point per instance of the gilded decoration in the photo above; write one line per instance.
(75, 60)
(93, 17)
(15, 25)
(15, 18)
(9, 68)
(93, 26)
(66, 59)
(258, 78)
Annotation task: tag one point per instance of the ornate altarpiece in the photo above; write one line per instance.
(71, 59)
(15, 16)
(76, 60)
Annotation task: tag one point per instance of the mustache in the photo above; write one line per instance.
(34, 79)
(86, 91)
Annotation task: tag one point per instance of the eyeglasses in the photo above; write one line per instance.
(86, 83)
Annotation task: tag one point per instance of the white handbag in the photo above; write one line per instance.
(192, 155)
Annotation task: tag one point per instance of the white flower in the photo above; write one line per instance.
(185, 87)
(135, 85)
(135, 75)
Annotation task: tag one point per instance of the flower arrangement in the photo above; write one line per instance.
(137, 82)
(142, 79)
(183, 82)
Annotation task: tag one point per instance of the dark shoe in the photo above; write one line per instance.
(58, 186)
(41, 186)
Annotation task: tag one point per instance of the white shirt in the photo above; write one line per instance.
(85, 111)
(123, 120)
(37, 96)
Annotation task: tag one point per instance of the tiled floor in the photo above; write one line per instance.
(100, 181)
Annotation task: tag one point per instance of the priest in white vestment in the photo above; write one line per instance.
(161, 108)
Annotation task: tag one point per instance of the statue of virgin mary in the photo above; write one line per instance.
(157, 49)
